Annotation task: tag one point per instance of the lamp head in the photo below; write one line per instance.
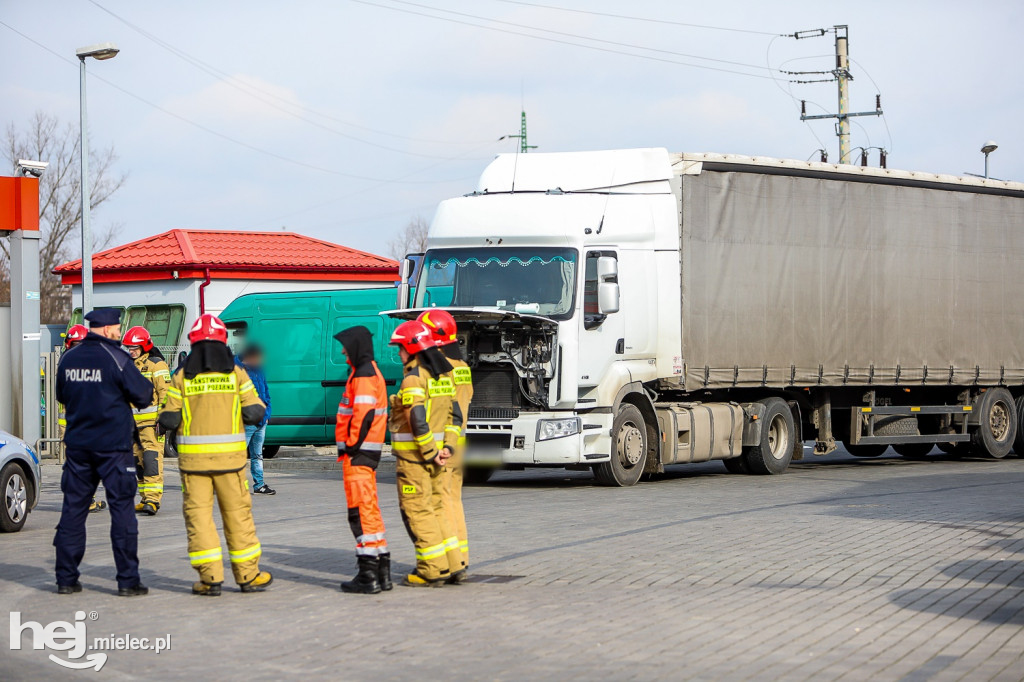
(99, 51)
(989, 147)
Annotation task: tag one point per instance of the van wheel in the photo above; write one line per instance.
(773, 454)
(477, 475)
(629, 449)
(872, 450)
(997, 428)
(270, 451)
(914, 451)
(13, 498)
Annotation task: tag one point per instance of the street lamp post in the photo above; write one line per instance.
(987, 149)
(100, 51)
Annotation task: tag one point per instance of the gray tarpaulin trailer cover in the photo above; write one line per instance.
(813, 277)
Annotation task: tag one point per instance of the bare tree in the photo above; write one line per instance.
(60, 209)
(412, 238)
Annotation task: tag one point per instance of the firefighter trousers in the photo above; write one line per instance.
(420, 498)
(149, 465)
(452, 501)
(204, 548)
(363, 510)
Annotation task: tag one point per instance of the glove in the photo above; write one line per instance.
(342, 453)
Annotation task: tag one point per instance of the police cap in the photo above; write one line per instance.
(103, 317)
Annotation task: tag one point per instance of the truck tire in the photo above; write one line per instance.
(896, 425)
(1018, 442)
(997, 424)
(14, 500)
(736, 465)
(270, 451)
(914, 451)
(629, 449)
(477, 475)
(773, 454)
(871, 450)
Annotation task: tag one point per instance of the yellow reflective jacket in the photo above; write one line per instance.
(211, 436)
(462, 377)
(420, 412)
(157, 373)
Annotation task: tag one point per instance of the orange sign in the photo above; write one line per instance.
(19, 204)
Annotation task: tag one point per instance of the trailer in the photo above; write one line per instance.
(627, 310)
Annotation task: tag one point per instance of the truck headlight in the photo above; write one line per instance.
(548, 429)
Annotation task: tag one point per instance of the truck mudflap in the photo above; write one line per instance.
(520, 442)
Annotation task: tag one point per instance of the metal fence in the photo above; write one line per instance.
(50, 444)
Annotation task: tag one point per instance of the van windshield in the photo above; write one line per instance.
(536, 281)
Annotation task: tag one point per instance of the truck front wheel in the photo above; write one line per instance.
(629, 449)
(997, 423)
(773, 454)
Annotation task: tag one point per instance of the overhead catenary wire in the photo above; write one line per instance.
(667, 22)
(563, 42)
(262, 95)
(215, 133)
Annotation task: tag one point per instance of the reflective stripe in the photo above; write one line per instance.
(425, 438)
(345, 410)
(211, 448)
(464, 546)
(371, 551)
(205, 556)
(462, 440)
(155, 487)
(372, 447)
(147, 374)
(147, 410)
(404, 447)
(364, 400)
(451, 543)
(246, 554)
(431, 552)
(370, 537)
(401, 437)
(380, 411)
(414, 391)
(217, 438)
(462, 375)
(62, 422)
(452, 428)
(173, 393)
(246, 387)
(162, 373)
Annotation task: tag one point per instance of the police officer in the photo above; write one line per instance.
(98, 384)
(74, 336)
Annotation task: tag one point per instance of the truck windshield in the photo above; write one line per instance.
(536, 281)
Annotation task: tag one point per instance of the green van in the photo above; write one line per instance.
(305, 367)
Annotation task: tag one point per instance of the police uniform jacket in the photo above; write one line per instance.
(98, 384)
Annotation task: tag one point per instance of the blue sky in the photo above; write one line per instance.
(414, 105)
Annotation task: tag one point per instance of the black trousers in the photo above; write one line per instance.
(83, 470)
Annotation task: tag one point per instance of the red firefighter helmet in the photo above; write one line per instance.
(76, 333)
(413, 336)
(138, 336)
(208, 328)
(441, 324)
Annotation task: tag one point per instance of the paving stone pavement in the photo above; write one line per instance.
(841, 569)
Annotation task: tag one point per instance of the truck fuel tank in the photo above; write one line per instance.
(698, 432)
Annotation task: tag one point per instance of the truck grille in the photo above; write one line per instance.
(507, 413)
(494, 388)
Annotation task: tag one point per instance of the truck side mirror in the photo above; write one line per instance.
(405, 271)
(607, 285)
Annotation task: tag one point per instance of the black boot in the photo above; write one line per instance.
(384, 572)
(365, 581)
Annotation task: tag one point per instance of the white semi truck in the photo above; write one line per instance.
(628, 310)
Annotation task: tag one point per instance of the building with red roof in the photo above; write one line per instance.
(164, 281)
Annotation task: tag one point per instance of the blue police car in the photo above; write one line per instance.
(19, 482)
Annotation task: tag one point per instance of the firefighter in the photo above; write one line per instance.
(442, 324)
(99, 385)
(420, 411)
(149, 456)
(75, 335)
(360, 429)
(208, 403)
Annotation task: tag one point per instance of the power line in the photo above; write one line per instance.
(562, 42)
(252, 90)
(215, 133)
(578, 36)
(631, 18)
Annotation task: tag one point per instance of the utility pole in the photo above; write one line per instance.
(523, 146)
(842, 76)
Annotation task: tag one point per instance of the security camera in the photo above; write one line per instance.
(33, 168)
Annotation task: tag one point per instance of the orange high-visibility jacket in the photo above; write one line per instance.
(362, 416)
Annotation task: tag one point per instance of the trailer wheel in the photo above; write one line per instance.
(914, 451)
(773, 454)
(997, 427)
(736, 465)
(629, 449)
(867, 450)
(1018, 442)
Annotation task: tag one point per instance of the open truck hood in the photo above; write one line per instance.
(479, 315)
